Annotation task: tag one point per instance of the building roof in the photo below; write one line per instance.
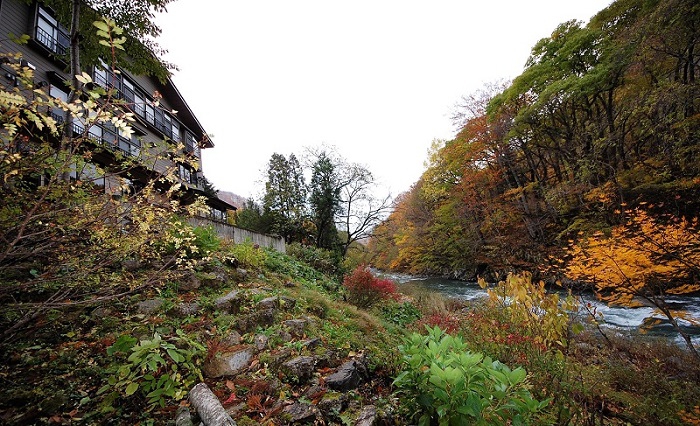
(184, 112)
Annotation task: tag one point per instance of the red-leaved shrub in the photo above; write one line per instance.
(364, 289)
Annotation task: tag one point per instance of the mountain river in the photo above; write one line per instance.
(616, 318)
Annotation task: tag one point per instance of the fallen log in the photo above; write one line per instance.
(208, 407)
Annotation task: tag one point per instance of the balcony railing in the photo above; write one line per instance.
(50, 41)
(113, 142)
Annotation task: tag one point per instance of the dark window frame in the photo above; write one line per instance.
(187, 174)
(58, 40)
(131, 92)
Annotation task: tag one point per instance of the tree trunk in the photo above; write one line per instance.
(208, 407)
(74, 67)
(661, 304)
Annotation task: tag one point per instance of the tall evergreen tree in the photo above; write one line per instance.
(325, 201)
(285, 197)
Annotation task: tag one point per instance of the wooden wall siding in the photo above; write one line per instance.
(18, 18)
(238, 235)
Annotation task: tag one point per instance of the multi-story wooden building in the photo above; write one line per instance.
(162, 114)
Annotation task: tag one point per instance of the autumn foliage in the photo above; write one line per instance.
(604, 113)
(364, 289)
(643, 260)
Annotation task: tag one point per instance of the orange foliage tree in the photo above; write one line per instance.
(644, 259)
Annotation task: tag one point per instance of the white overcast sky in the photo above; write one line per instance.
(376, 79)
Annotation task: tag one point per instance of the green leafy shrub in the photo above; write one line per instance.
(451, 386)
(249, 255)
(206, 239)
(160, 369)
(320, 259)
(400, 314)
(191, 242)
(364, 289)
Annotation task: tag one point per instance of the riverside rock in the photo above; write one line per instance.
(185, 309)
(299, 369)
(299, 413)
(262, 318)
(149, 306)
(229, 363)
(296, 326)
(274, 302)
(348, 376)
(368, 416)
(233, 338)
(230, 302)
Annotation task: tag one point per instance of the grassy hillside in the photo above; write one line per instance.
(288, 330)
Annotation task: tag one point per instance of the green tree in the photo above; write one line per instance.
(252, 217)
(285, 197)
(324, 201)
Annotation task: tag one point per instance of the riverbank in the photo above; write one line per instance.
(633, 322)
(277, 344)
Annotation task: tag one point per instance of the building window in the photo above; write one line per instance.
(100, 75)
(104, 76)
(88, 173)
(117, 139)
(138, 101)
(218, 215)
(139, 107)
(129, 144)
(175, 131)
(57, 113)
(128, 91)
(95, 132)
(186, 174)
(191, 146)
(159, 120)
(50, 33)
(150, 113)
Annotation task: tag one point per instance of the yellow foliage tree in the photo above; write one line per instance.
(643, 260)
(543, 315)
(66, 243)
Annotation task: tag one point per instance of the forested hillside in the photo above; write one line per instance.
(602, 124)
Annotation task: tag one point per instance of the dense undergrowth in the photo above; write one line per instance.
(530, 360)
